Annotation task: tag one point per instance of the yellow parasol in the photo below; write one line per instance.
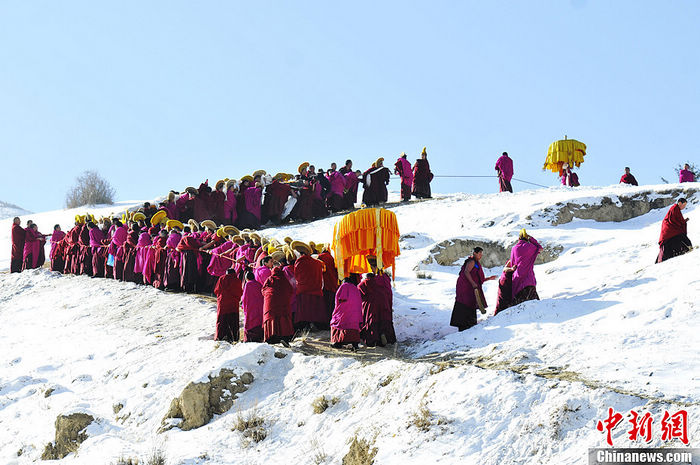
(568, 151)
(370, 231)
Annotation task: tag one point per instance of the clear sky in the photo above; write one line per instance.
(163, 94)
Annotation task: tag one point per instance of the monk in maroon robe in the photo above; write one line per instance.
(311, 309)
(56, 253)
(470, 294)
(277, 316)
(129, 254)
(674, 239)
(171, 278)
(352, 181)
(422, 177)
(375, 181)
(276, 196)
(202, 203)
(228, 291)
(18, 239)
(33, 242)
(628, 178)
(97, 239)
(330, 281)
(217, 200)
(377, 302)
(189, 267)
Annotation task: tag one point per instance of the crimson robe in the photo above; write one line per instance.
(277, 315)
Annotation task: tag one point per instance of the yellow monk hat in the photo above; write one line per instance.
(379, 160)
(174, 224)
(193, 224)
(288, 240)
(259, 173)
(279, 177)
(301, 247)
(238, 239)
(231, 230)
(138, 216)
(220, 183)
(158, 217)
(221, 232)
(524, 235)
(191, 190)
(303, 166)
(209, 224)
(424, 152)
(278, 255)
(256, 238)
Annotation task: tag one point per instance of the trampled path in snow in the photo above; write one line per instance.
(525, 386)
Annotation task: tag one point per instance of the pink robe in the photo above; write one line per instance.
(523, 255)
(406, 171)
(142, 248)
(504, 165)
(230, 213)
(252, 303)
(218, 264)
(348, 308)
(261, 274)
(56, 237)
(686, 176)
(32, 245)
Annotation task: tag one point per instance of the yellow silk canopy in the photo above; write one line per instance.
(568, 151)
(370, 231)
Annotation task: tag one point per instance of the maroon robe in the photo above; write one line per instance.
(421, 179)
(375, 182)
(377, 317)
(189, 266)
(18, 238)
(276, 195)
(330, 281)
(311, 308)
(277, 315)
(56, 254)
(129, 254)
(216, 200)
(673, 240)
(228, 291)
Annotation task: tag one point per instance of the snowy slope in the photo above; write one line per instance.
(525, 386)
(8, 210)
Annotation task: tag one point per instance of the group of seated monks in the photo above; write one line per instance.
(282, 287)
(257, 199)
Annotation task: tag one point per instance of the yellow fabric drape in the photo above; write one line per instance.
(568, 151)
(371, 231)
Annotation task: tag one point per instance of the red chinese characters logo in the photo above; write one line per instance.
(673, 426)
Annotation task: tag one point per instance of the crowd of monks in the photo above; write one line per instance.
(259, 199)
(191, 242)
(282, 287)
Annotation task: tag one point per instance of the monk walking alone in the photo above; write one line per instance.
(18, 237)
(504, 167)
(674, 239)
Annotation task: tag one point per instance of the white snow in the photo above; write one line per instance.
(612, 330)
(8, 210)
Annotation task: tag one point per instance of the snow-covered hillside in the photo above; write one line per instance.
(8, 210)
(525, 386)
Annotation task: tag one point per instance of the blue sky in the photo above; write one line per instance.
(163, 94)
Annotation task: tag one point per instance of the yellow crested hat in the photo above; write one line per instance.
(174, 224)
(303, 166)
(159, 216)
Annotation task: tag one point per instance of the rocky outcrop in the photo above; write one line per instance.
(70, 433)
(617, 208)
(199, 402)
(452, 251)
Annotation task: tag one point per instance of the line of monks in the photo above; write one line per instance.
(282, 287)
(257, 199)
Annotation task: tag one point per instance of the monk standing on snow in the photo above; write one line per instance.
(504, 167)
(422, 176)
(403, 169)
(347, 314)
(308, 272)
(674, 239)
(277, 313)
(56, 253)
(377, 302)
(228, 291)
(470, 295)
(522, 257)
(628, 178)
(685, 175)
(18, 237)
(252, 304)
